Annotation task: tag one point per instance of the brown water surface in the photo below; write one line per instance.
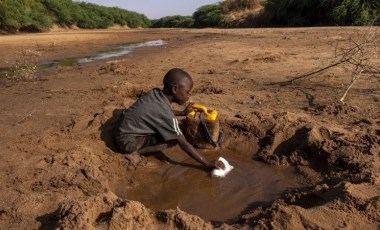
(192, 189)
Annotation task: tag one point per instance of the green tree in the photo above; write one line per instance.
(39, 15)
(331, 12)
(175, 21)
(352, 12)
(62, 11)
(208, 16)
(26, 15)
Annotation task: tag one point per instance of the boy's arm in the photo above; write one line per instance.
(190, 150)
(179, 113)
(187, 110)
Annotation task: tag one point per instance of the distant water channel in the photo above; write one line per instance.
(117, 51)
(114, 52)
(121, 50)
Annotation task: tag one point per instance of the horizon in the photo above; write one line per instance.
(155, 9)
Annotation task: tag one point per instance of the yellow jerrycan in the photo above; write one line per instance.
(210, 114)
(203, 127)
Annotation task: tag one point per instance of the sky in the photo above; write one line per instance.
(155, 9)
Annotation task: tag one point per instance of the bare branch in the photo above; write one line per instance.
(356, 56)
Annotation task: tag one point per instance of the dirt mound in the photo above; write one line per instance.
(337, 110)
(292, 139)
(253, 125)
(325, 155)
(321, 207)
(124, 93)
(113, 68)
(109, 212)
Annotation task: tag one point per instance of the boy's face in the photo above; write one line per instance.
(181, 91)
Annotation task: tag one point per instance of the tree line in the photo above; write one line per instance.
(40, 15)
(258, 13)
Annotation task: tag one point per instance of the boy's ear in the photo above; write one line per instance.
(174, 89)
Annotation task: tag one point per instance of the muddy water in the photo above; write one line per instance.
(182, 183)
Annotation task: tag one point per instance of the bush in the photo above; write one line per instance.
(27, 15)
(352, 12)
(37, 18)
(330, 12)
(294, 12)
(39, 15)
(239, 5)
(63, 12)
(208, 16)
(175, 21)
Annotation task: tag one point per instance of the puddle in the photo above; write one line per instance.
(166, 186)
(121, 50)
(112, 53)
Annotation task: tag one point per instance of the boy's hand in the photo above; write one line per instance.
(220, 165)
(188, 108)
(217, 164)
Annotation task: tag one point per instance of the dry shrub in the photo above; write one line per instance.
(25, 67)
(246, 18)
(240, 5)
(244, 13)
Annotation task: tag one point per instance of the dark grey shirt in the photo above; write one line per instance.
(150, 114)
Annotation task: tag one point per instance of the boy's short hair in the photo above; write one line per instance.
(173, 76)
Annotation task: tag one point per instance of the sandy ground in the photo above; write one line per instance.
(59, 167)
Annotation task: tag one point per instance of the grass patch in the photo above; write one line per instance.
(25, 67)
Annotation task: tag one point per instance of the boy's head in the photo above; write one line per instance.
(178, 84)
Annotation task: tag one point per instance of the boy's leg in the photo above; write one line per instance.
(154, 144)
(154, 148)
(130, 144)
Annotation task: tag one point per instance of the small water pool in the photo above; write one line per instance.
(166, 186)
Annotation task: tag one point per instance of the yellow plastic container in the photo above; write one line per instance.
(210, 114)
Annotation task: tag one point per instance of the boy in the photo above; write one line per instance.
(150, 125)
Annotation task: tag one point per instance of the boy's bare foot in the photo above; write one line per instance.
(133, 158)
(162, 157)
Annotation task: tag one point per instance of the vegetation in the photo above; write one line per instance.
(23, 15)
(208, 16)
(25, 67)
(212, 15)
(205, 16)
(175, 21)
(40, 15)
(253, 13)
(353, 12)
(239, 5)
(325, 12)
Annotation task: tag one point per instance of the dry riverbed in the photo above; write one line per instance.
(60, 168)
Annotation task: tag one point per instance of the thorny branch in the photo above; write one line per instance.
(357, 57)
